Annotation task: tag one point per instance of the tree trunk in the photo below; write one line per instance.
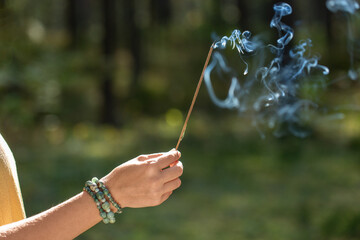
(76, 20)
(72, 22)
(160, 11)
(328, 24)
(244, 16)
(133, 43)
(108, 48)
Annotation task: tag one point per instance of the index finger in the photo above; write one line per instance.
(149, 156)
(166, 159)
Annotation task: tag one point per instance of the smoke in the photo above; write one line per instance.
(271, 91)
(349, 8)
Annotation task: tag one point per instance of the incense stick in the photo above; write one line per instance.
(194, 98)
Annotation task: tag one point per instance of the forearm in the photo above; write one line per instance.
(147, 180)
(64, 221)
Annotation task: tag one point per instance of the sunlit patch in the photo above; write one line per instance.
(81, 131)
(350, 126)
(174, 117)
(36, 31)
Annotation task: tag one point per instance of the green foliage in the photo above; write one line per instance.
(235, 185)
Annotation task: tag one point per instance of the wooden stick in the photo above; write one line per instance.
(194, 98)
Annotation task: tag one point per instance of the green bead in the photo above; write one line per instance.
(105, 205)
(98, 191)
(100, 195)
(91, 187)
(87, 189)
(110, 215)
(88, 183)
(103, 215)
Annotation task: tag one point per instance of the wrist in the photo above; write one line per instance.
(103, 200)
(90, 206)
(110, 184)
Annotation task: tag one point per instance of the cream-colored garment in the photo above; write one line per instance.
(11, 203)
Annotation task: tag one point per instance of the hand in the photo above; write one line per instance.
(144, 181)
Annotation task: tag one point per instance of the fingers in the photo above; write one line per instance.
(173, 164)
(145, 157)
(172, 185)
(167, 158)
(173, 172)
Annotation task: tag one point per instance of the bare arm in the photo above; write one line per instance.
(140, 182)
(64, 221)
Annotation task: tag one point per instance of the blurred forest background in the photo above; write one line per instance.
(86, 85)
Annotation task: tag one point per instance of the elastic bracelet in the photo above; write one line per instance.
(101, 202)
(107, 193)
(106, 216)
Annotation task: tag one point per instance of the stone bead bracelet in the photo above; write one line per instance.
(103, 214)
(102, 188)
(98, 191)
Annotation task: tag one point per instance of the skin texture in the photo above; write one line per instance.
(145, 181)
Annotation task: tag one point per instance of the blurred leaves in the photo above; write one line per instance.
(235, 185)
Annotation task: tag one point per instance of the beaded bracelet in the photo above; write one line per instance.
(97, 190)
(108, 217)
(102, 187)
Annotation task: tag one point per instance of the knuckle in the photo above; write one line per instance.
(149, 173)
(156, 190)
(172, 155)
(157, 178)
(153, 165)
(154, 195)
(154, 187)
(162, 178)
(176, 154)
(152, 169)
